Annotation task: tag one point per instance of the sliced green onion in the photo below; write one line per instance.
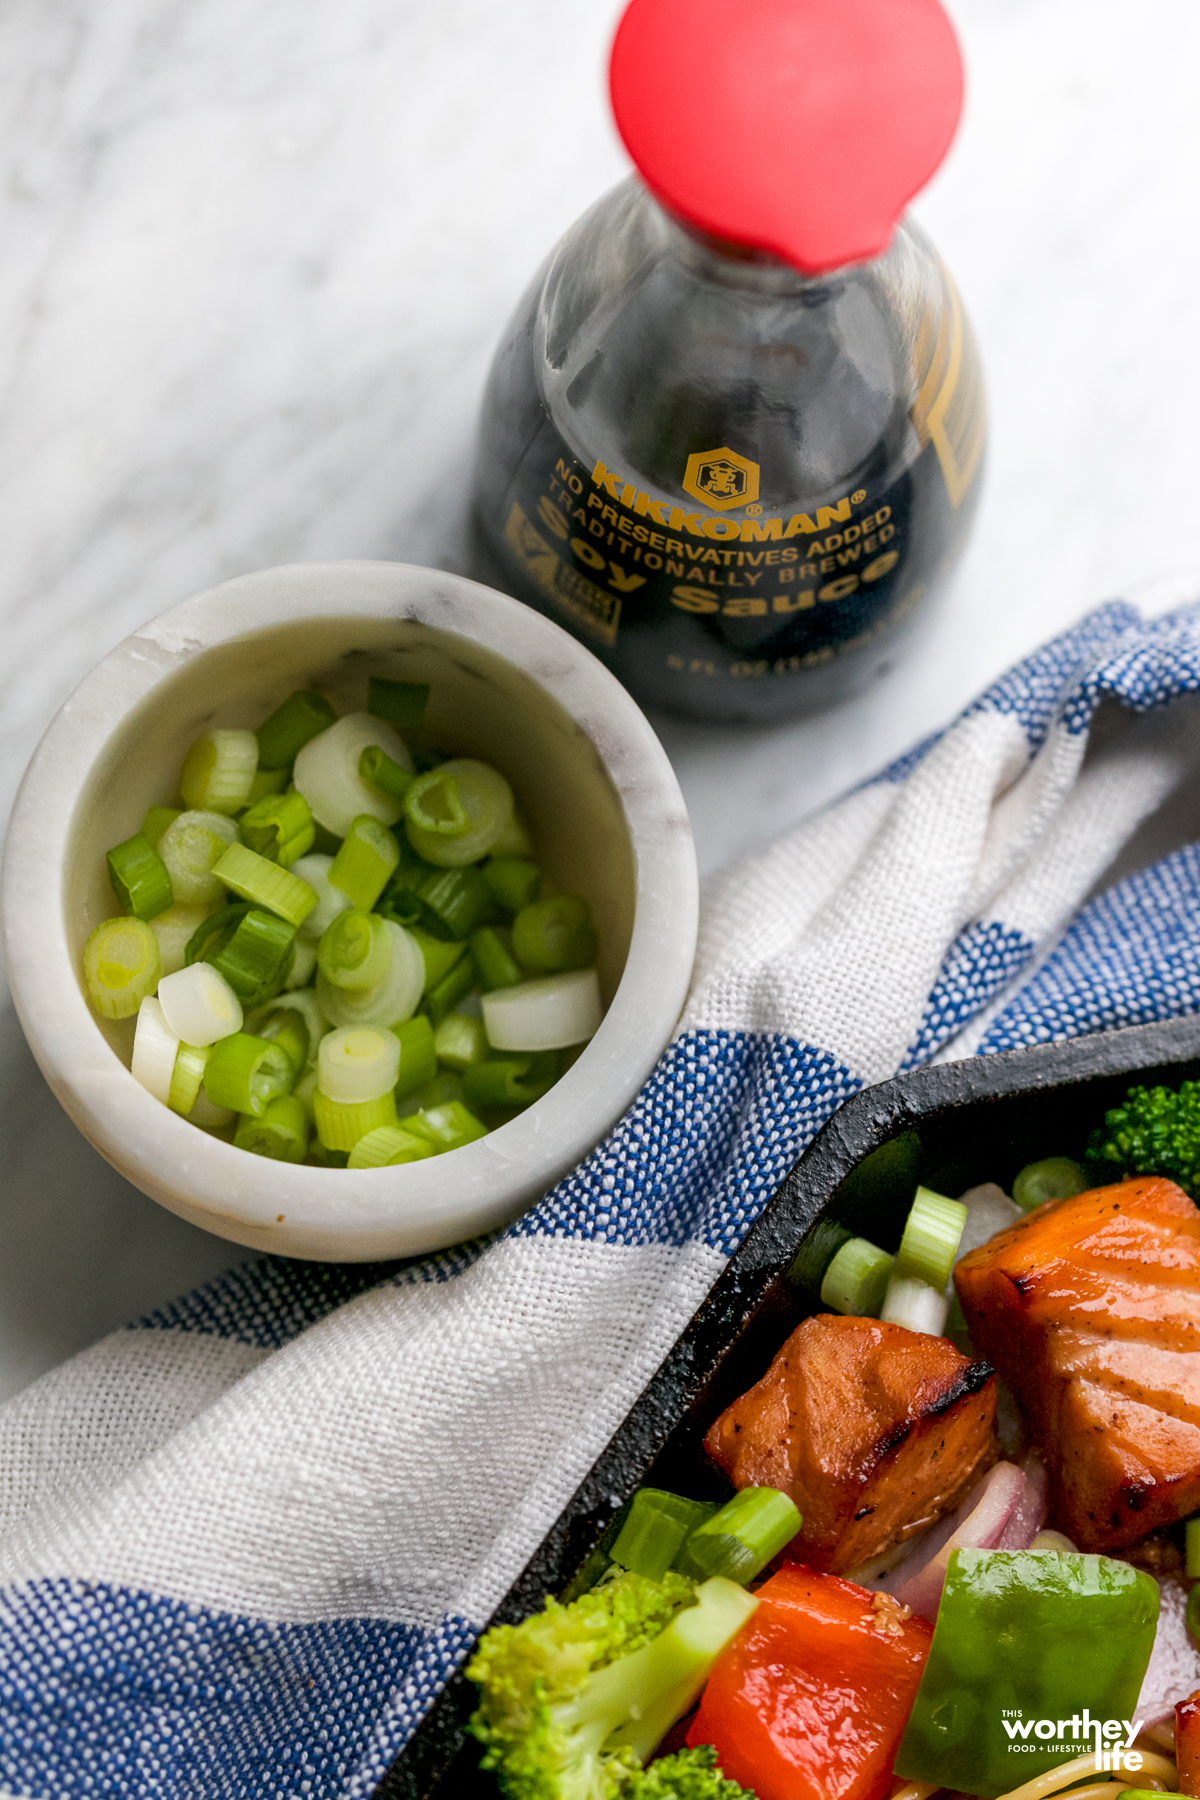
(286, 1026)
(483, 796)
(656, 1527)
(1191, 1615)
(418, 1055)
(360, 1063)
(266, 782)
(513, 881)
(818, 1248)
(915, 1305)
(279, 828)
(551, 936)
(856, 1280)
(138, 877)
(303, 963)
(292, 725)
(1054, 1541)
(453, 901)
(596, 1563)
(460, 1041)
(401, 703)
(321, 1158)
(246, 1073)
(1054, 1178)
(191, 846)
(200, 1005)
(214, 932)
(121, 965)
(305, 1091)
(255, 960)
(218, 771)
(740, 1539)
(388, 1145)
(446, 1127)
(432, 807)
(549, 1014)
(331, 901)
(511, 1081)
(444, 1087)
(156, 822)
(516, 840)
(174, 930)
(155, 1047)
(451, 989)
(411, 871)
(379, 771)
(280, 1133)
(391, 1000)
(264, 883)
(186, 1078)
(364, 864)
(341, 1124)
(1191, 1536)
(931, 1238)
(208, 1116)
(326, 773)
(355, 951)
(302, 1002)
(438, 954)
(497, 967)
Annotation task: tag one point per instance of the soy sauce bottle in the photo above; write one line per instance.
(734, 436)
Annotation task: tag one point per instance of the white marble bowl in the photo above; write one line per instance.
(507, 685)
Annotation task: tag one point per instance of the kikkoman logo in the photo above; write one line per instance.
(1041, 1735)
(721, 478)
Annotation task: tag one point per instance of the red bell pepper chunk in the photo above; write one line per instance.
(810, 1700)
(1187, 1743)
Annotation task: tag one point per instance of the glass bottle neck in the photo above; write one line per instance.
(728, 264)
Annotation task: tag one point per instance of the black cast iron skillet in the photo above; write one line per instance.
(948, 1128)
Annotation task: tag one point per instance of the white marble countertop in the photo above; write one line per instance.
(257, 256)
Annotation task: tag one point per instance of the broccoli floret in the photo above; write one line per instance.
(574, 1700)
(1155, 1132)
(688, 1775)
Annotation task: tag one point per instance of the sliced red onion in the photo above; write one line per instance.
(978, 1524)
(1025, 1520)
(1174, 1669)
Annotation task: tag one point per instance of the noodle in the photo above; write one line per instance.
(1099, 1790)
(913, 1790)
(1153, 1767)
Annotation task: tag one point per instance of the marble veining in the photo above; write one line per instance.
(256, 257)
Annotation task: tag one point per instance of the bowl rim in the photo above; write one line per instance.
(360, 1215)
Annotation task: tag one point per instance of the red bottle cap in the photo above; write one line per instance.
(799, 127)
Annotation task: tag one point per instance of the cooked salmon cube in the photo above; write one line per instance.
(874, 1431)
(1187, 1744)
(1090, 1310)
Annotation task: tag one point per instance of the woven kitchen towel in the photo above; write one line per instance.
(245, 1541)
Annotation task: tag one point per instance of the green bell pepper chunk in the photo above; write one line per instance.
(1022, 1638)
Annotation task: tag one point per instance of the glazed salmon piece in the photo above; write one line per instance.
(1187, 1743)
(874, 1432)
(1090, 1309)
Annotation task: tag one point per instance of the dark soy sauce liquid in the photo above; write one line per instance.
(739, 486)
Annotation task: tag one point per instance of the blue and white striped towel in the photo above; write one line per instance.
(245, 1541)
